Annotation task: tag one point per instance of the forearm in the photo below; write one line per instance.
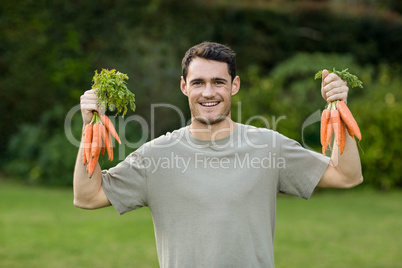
(348, 164)
(86, 189)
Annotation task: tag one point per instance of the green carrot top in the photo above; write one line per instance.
(111, 91)
(351, 79)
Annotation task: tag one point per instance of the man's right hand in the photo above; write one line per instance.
(89, 103)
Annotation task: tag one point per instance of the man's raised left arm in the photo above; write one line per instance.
(344, 171)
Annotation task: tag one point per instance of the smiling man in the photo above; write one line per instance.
(212, 186)
(209, 88)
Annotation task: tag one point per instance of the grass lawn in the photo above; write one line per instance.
(340, 228)
(40, 227)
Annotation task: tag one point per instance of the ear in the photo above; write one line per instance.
(183, 86)
(235, 85)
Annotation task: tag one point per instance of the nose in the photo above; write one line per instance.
(208, 91)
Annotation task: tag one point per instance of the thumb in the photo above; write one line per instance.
(324, 75)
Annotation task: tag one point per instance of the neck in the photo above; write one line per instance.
(215, 131)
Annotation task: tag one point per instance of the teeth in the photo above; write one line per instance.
(210, 103)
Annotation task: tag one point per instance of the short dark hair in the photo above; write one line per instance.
(210, 51)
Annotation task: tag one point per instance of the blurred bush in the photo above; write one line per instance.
(290, 93)
(49, 51)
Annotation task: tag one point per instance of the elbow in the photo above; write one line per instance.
(356, 181)
(81, 204)
(77, 203)
(360, 180)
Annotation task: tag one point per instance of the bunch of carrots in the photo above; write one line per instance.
(97, 139)
(337, 118)
(111, 92)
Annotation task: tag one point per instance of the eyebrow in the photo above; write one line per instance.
(214, 79)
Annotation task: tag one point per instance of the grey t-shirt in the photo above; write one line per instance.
(213, 203)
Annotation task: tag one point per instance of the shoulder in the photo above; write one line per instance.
(257, 137)
(164, 141)
(169, 138)
(257, 132)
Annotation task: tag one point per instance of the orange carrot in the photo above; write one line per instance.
(87, 141)
(84, 157)
(350, 132)
(103, 138)
(95, 149)
(109, 145)
(324, 129)
(324, 122)
(92, 165)
(106, 121)
(348, 118)
(330, 130)
(336, 123)
(96, 141)
(343, 136)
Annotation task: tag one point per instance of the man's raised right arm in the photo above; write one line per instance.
(88, 192)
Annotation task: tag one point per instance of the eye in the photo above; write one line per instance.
(197, 83)
(219, 82)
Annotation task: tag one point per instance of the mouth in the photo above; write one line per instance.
(209, 104)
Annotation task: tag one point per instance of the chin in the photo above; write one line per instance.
(211, 121)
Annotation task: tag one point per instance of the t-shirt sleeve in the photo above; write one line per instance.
(125, 185)
(303, 168)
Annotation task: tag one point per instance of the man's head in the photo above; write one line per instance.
(210, 51)
(209, 81)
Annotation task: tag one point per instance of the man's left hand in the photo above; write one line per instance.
(333, 87)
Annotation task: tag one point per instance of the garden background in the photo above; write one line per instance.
(49, 51)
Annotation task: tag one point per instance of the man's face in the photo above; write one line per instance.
(209, 89)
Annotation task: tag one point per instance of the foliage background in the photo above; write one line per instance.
(50, 49)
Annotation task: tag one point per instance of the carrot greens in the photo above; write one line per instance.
(111, 90)
(351, 79)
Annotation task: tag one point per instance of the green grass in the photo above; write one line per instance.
(40, 227)
(340, 228)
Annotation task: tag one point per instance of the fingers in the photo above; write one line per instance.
(334, 88)
(89, 103)
(324, 75)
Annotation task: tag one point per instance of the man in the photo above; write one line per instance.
(212, 186)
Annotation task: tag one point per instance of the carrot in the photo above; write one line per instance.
(336, 123)
(103, 138)
(324, 122)
(348, 118)
(87, 141)
(343, 136)
(96, 141)
(330, 130)
(92, 165)
(95, 149)
(106, 121)
(350, 132)
(84, 157)
(324, 129)
(109, 145)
